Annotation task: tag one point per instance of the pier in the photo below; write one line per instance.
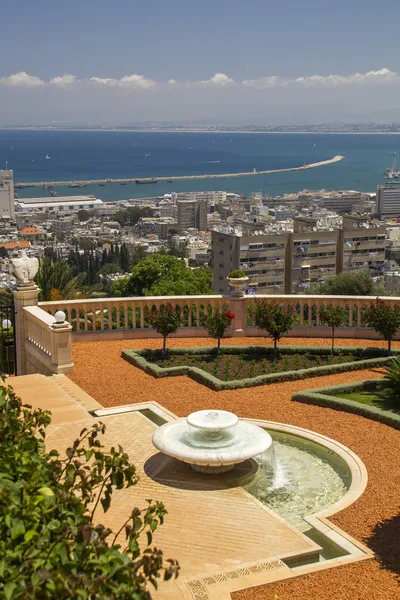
(322, 163)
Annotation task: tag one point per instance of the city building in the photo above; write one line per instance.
(192, 214)
(7, 208)
(61, 204)
(388, 200)
(288, 262)
(208, 197)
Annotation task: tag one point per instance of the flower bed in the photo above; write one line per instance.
(246, 366)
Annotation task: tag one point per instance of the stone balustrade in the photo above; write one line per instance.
(47, 344)
(118, 318)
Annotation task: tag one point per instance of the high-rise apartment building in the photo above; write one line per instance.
(7, 194)
(388, 200)
(289, 262)
(192, 214)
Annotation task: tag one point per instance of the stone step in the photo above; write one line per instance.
(48, 394)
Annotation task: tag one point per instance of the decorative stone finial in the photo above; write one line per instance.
(24, 268)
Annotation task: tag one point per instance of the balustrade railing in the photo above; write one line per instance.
(47, 344)
(129, 317)
(38, 329)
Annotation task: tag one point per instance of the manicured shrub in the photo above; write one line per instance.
(274, 318)
(236, 274)
(165, 320)
(333, 316)
(218, 322)
(384, 319)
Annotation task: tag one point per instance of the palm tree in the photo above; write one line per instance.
(57, 280)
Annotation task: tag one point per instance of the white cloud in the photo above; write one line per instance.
(136, 81)
(64, 80)
(371, 77)
(380, 76)
(266, 82)
(219, 80)
(22, 79)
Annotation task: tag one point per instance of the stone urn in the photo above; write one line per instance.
(237, 284)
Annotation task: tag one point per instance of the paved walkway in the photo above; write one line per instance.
(212, 528)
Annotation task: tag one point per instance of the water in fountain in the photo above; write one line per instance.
(298, 477)
(273, 470)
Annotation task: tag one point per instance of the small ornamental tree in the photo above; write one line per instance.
(384, 319)
(274, 318)
(333, 316)
(218, 322)
(165, 320)
(51, 544)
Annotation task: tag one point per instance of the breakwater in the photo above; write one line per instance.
(78, 183)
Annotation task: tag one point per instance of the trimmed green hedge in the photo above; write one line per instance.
(329, 397)
(143, 359)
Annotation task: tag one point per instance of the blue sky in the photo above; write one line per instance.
(128, 61)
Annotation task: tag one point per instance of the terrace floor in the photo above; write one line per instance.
(374, 519)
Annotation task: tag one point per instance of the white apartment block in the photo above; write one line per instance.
(7, 208)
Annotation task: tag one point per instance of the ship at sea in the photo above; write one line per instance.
(392, 173)
(77, 185)
(145, 180)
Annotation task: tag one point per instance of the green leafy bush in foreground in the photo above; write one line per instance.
(51, 547)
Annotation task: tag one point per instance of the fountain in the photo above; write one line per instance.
(211, 441)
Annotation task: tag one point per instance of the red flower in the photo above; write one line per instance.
(380, 301)
(230, 315)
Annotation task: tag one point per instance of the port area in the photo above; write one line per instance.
(170, 178)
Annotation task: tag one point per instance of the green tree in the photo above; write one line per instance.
(218, 322)
(163, 275)
(124, 258)
(57, 280)
(132, 215)
(274, 318)
(83, 215)
(165, 320)
(348, 283)
(385, 319)
(138, 253)
(51, 545)
(333, 316)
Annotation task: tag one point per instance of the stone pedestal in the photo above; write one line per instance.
(25, 295)
(238, 307)
(61, 353)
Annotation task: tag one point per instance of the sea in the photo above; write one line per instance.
(56, 155)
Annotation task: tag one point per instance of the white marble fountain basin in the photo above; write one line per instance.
(211, 441)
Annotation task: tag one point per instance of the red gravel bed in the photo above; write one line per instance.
(374, 519)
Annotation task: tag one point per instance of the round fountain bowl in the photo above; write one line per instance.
(212, 420)
(211, 441)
